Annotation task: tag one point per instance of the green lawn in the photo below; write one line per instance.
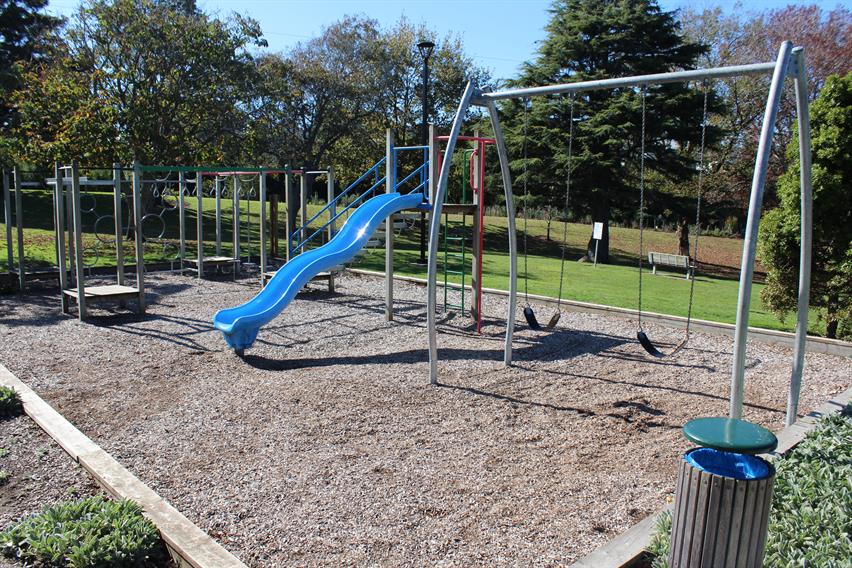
(615, 284)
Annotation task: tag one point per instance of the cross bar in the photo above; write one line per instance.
(636, 81)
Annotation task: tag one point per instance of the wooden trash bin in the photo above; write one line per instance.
(719, 520)
(723, 496)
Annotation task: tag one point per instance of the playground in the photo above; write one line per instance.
(331, 449)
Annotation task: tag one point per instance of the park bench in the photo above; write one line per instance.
(672, 260)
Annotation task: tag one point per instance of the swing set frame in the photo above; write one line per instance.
(789, 63)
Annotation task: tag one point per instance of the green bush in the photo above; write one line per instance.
(811, 519)
(10, 403)
(91, 533)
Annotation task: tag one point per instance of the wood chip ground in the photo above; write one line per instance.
(327, 446)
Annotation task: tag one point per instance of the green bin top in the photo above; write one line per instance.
(730, 435)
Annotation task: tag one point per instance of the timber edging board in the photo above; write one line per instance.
(813, 344)
(626, 548)
(188, 544)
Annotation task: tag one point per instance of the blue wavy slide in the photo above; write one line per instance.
(240, 325)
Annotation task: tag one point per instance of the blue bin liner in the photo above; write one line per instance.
(728, 464)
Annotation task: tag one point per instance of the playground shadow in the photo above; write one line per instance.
(653, 387)
(557, 345)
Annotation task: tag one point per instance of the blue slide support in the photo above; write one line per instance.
(240, 325)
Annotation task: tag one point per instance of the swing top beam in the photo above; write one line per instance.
(483, 98)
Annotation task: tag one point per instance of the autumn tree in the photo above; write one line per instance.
(738, 38)
(831, 273)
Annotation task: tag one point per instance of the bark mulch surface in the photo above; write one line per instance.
(326, 444)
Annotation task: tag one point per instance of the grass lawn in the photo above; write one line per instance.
(615, 284)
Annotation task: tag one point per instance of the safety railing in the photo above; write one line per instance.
(330, 208)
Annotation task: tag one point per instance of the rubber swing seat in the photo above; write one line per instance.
(730, 435)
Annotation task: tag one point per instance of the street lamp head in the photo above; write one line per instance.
(425, 48)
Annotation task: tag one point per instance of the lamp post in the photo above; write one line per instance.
(425, 48)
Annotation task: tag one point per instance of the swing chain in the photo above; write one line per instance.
(526, 198)
(567, 199)
(642, 199)
(698, 204)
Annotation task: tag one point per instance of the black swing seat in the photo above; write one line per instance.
(529, 315)
(648, 345)
(554, 319)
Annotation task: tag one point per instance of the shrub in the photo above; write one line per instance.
(810, 524)
(90, 532)
(10, 403)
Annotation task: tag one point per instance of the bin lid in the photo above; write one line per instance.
(730, 435)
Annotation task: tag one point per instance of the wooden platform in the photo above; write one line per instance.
(267, 276)
(212, 260)
(451, 208)
(103, 293)
(47, 273)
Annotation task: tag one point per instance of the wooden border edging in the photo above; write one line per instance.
(626, 548)
(188, 544)
(784, 338)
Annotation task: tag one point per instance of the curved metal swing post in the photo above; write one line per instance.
(437, 199)
(506, 174)
(806, 235)
(758, 183)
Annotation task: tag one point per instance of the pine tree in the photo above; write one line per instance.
(598, 39)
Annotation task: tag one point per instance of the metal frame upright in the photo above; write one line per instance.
(67, 180)
(790, 62)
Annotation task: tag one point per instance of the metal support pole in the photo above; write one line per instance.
(303, 208)
(390, 183)
(262, 229)
(19, 228)
(217, 187)
(69, 208)
(506, 174)
(806, 234)
(181, 218)
(78, 241)
(288, 223)
(7, 219)
(331, 212)
(138, 236)
(199, 219)
(119, 244)
(750, 244)
(437, 197)
(61, 261)
(235, 203)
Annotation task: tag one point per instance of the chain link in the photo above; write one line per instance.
(698, 206)
(642, 200)
(526, 198)
(567, 200)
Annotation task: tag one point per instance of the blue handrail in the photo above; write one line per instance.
(418, 170)
(422, 170)
(340, 195)
(301, 244)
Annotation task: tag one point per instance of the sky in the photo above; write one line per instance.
(498, 34)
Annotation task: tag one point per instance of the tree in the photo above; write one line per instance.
(736, 39)
(25, 34)
(332, 97)
(831, 272)
(171, 81)
(595, 39)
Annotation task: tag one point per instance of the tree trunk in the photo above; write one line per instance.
(600, 214)
(683, 238)
(832, 320)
